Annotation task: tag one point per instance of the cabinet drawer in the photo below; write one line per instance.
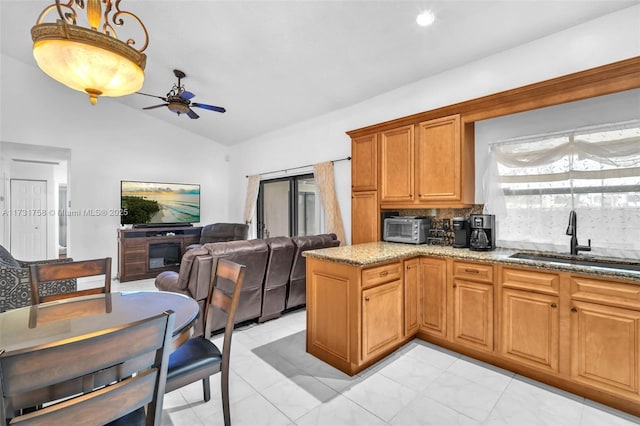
(135, 243)
(525, 279)
(381, 274)
(135, 256)
(473, 271)
(599, 290)
(137, 268)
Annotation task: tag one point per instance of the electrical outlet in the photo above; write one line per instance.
(446, 224)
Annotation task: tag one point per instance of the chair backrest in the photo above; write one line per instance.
(62, 271)
(224, 293)
(68, 377)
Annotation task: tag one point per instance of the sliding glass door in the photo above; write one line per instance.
(288, 207)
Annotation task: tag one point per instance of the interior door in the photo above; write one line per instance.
(28, 219)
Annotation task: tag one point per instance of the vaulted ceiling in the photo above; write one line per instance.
(275, 63)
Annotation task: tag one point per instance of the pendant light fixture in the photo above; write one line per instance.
(90, 59)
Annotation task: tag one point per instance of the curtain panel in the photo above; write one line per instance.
(253, 185)
(323, 173)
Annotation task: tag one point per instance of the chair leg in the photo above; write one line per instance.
(224, 382)
(206, 389)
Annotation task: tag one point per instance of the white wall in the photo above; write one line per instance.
(608, 39)
(109, 142)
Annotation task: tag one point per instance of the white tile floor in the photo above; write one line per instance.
(275, 382)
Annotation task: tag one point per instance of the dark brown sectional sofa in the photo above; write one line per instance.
(275, 278)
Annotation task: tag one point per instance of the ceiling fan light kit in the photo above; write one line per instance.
(178, 100)
(91, 60)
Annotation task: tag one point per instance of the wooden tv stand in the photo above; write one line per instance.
(145, 252)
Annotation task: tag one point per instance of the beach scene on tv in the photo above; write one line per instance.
(149, 202)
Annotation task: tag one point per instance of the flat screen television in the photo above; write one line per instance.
(159, 204)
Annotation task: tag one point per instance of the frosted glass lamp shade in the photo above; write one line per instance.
(88, 61)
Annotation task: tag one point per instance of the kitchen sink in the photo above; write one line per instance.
(578, 260)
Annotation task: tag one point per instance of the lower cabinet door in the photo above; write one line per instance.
(382, 324)
(605, 343)
(432, 296)
(530, 328)
(473, 314)
(411, 279)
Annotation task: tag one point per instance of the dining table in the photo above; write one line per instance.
(32, 326)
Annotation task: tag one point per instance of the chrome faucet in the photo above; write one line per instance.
(572, 230)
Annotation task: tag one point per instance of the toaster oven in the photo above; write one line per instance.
(406, 229)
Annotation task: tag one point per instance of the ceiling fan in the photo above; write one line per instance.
(178, 100)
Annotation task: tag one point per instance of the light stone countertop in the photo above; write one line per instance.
(368, 254)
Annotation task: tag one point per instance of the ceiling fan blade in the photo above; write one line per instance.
(209, 107)
(155, 106)
(153, 96)
(192, 114)
(187, 95)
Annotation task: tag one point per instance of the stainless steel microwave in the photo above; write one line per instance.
(406, 229)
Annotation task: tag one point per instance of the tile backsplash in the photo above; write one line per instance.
(441, 232)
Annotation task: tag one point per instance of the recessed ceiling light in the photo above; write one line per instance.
(426, 18)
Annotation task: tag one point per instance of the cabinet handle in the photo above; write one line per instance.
(472, 271)
(384, 273)
(455, 285)
(574, 309)
(553, 305)
(366, 299)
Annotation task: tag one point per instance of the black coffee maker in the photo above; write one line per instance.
(483, 232)
(461, 232)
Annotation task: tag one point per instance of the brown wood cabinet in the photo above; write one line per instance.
(432, 289)
(364, 163)
(439, 160)
(428, 164)
(354, 314)
(145, 252)
(365, 219)
(365, 212)
(529, 317)
(473, 305)
(411, 299)
(382, 325)
(397, 165)
(605, 335)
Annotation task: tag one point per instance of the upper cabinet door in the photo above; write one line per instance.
(396, 165)
(438, 160)
(364, 163)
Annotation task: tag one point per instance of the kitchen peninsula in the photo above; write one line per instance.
(573, 326)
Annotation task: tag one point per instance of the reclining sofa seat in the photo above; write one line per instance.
(195, 273)
(274, 292)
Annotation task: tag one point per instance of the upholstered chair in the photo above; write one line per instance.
(15, 287)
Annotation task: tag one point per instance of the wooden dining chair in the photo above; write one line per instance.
(94, 379)
(199, 358)
(40, 273)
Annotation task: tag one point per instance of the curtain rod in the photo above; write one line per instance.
(300, 167)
